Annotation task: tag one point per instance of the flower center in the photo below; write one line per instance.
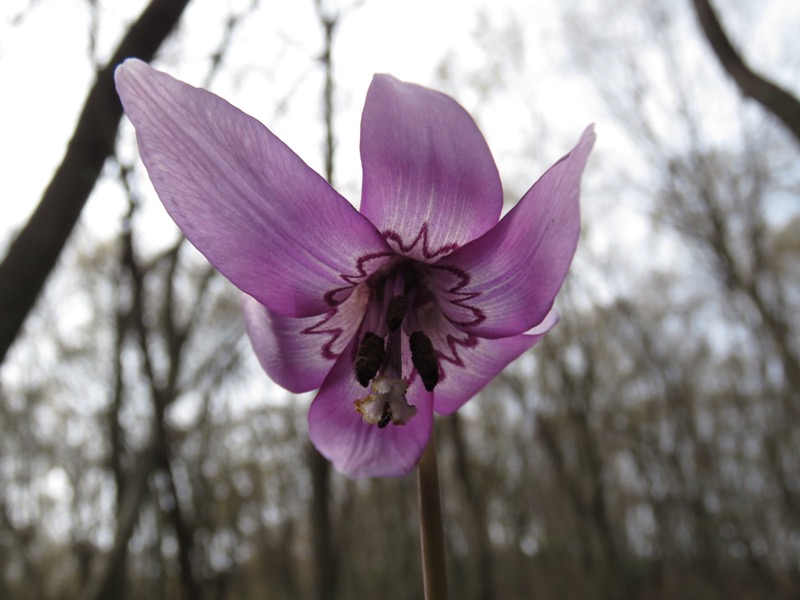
(379, 360)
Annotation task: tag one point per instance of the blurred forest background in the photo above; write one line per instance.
(648, 448)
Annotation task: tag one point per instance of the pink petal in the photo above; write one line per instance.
(467, 362)
(358, 449)
(259, 214)
(505, 282)
(298, 353)
(430, 183)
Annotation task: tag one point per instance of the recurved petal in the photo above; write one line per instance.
(298, 353)
(358, 449)
(467, 362)
(505, 282)
(430, 183)
(259, 214)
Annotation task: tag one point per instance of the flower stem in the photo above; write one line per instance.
(431, 531)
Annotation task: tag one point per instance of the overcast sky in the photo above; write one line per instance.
(45, 72)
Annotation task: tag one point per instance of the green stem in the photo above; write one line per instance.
(431, 531)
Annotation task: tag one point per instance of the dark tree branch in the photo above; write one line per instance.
(772, 97)
(34, 252)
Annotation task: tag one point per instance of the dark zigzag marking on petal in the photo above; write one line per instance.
(326, 350)
(389, 234)
(469, 342)
(463, 280)
(360, 275)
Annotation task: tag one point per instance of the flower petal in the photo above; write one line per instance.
(298, 353)
(430, 183)
(505, 282)
(467, 362)
(259, 214)
(359, 449)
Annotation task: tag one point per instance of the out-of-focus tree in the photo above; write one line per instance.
(647, 448)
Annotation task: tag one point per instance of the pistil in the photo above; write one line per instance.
(398, 306)
(379, 359)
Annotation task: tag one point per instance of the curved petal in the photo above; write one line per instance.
(259, 214)
(298, 353)
(505, 282)
(467, 362)
(430, 183)
(358, 449)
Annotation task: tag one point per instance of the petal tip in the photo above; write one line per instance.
(588, 136)
(128, 66)
(128, 73)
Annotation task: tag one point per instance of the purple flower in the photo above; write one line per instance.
(409, 306)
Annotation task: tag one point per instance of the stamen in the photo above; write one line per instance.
(396, 312)
(369, 358)
(423, 357)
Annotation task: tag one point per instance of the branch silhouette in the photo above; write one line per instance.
(771, 96)
(33, 254)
